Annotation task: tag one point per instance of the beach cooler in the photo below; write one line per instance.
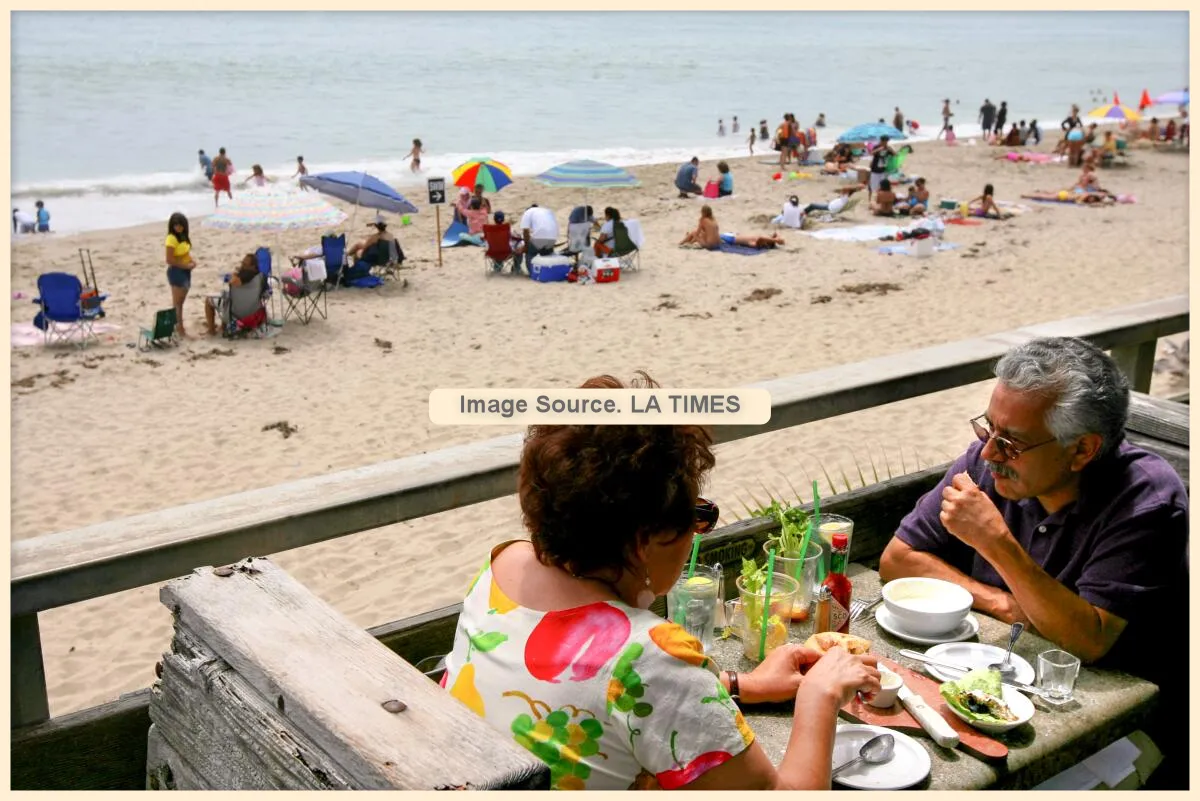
(922, 248)
(948, 204)
(605, 271)
(549, 268)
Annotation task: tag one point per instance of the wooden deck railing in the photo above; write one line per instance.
(67, 567)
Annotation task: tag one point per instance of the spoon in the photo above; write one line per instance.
(874, 752)
(1006, 669)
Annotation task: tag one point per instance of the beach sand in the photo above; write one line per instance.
(110, 432)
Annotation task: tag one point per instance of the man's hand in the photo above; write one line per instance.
(969, 514)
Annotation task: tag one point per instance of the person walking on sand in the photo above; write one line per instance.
(301, 171)
(415, 155)
(220, 178)
(879, 165)
(179, 264)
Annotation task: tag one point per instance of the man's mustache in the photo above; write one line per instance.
(1001, 470)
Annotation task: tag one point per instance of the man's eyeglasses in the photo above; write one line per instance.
(706, 513)
(1007, 448)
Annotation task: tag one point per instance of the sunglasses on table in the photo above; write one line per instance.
(706, 514)
(1008, 449)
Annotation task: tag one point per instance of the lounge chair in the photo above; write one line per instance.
(498, 249)
(63, 313)
(625, 249)
(162, 335)
(243, 309)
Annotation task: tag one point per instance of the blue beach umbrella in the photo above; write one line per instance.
(587, 174)
(360, 189)
(871, 132)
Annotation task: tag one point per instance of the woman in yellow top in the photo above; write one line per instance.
(179, 264)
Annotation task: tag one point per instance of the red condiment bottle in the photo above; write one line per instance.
(839, 585)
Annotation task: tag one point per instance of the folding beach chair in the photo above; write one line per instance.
(162, 335)
(624, 248)
(579, 242)
(63, 312)
(333, 249)
(499, 251)
(243, 309)
(394, 264)
(306, 297)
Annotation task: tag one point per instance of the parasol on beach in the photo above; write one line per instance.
(587, 174)
(1115, 111)
(871, 132)
(274, 211)
(492, 174)
(1176, 98)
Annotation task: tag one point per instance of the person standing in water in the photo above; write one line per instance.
(415, 155)
(720, 127)
(946, 115)
(301, 171)
(220, 178)
(898, 121)
(206, 166)
(735, 127)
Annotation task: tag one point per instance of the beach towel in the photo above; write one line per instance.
(454, 236)
(739, 250)
(855, 233)
(905, 250)
(25, 335)
(963, 221)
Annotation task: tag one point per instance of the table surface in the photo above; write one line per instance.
(1107, 705)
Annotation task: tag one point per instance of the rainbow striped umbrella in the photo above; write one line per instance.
(274, 211)
(492, 174)
(1115, 111)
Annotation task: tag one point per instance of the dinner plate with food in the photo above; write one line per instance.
(980, 699)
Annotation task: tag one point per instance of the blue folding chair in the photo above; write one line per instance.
(63, 313)
(263, 257)
(333, 249)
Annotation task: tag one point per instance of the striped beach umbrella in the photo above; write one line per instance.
(274, 211)
(1115, 111)
(1176, 98)
(587, 174)
(492, 174)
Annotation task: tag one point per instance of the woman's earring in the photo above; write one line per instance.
(646, 596)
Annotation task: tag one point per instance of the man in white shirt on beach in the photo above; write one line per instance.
(539, 229)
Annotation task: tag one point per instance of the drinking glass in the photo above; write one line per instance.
(830, 525)
(692, 603)
(806, 575)
(783, 596)
(1057, 671)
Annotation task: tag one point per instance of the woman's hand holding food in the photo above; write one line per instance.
(840, 674)
(779, 676)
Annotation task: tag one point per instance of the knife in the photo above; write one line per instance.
(920, 657)
(930, 721)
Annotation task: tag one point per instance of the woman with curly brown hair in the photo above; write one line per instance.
(556, 645)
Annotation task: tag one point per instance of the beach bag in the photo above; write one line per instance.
(712, 189)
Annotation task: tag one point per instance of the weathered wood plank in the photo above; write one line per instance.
(101, 748)
(264, 624)
(1137, 363)
(201, 707)
(27, 691)
(1159, 418)
(66, 567)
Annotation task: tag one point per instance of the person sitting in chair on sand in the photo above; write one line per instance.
(245, 273)
(375, 249)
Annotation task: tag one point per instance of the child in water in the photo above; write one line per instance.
(751, 140)
(415, 155)
(43, 218)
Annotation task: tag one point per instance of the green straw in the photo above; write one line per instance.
(816, 523)
(690, 573)
(803, 550)
(766, 616)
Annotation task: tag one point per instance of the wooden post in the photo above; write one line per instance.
(1137, 363)
(28, 690)
(437, 231)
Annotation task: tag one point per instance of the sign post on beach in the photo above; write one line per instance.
(437, 196)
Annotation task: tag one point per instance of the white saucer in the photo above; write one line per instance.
(909, 764)
(968, 628)
(975, 655)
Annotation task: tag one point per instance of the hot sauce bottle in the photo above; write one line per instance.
(838, 585)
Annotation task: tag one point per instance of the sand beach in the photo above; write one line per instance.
(166, 428)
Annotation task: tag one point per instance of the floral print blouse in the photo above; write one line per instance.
(609, 696)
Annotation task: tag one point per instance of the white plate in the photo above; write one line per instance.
(909, 763)
(1018, 704)
(975, 655)
(968, 628)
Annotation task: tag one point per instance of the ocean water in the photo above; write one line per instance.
(109, 108)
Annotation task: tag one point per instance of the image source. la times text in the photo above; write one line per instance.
(741, 406)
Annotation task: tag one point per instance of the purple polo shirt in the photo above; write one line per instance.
(1121, 546)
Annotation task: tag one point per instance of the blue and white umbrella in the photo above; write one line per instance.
(360, 189)
(587, 174)
(871, 132)
(1176, 98)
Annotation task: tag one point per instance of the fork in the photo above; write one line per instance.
(858, 607)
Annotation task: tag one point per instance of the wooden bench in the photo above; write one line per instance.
(268, 687)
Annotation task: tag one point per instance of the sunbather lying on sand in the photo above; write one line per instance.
(757, 241)
(1073, 196)
(707, 235)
